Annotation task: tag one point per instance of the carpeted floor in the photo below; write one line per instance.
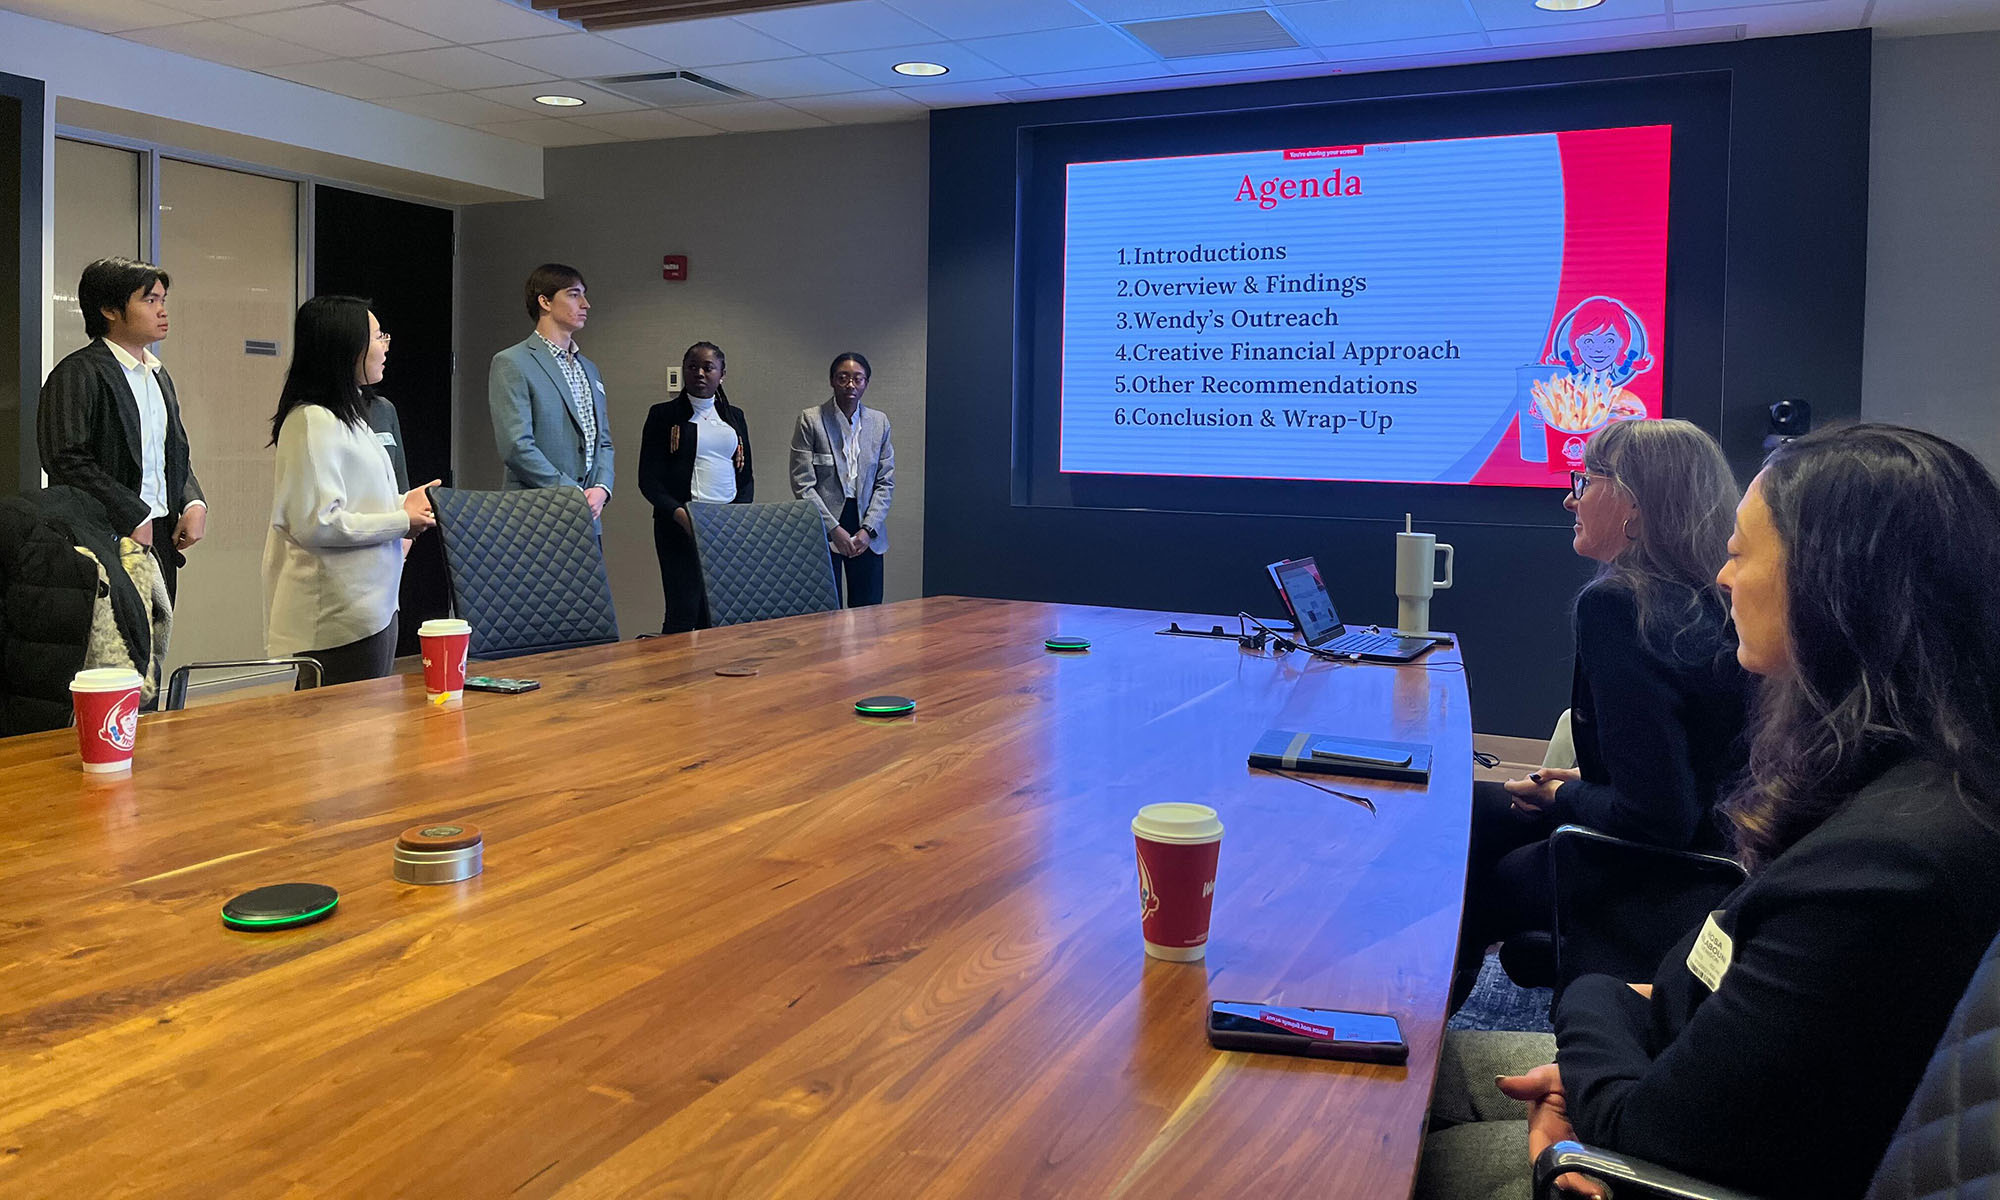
(1496, 1003)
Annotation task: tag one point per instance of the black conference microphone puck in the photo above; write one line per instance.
(885, 706)
(1066, 642)
(280, 906)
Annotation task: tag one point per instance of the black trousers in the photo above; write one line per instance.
(863, 572)
(1507, 886)
(166, 555)
(373, 657)
(680, 576)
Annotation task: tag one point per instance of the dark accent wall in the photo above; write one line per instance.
(21, 169)
(1789, 309)
(399, 255)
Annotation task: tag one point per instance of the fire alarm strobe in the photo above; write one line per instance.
(280, 906)
(885, 706)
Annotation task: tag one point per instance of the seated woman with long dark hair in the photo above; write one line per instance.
(334, 556)
(1778, 1044)
(1657, 701)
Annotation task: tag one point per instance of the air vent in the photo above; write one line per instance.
(260, 349)
(1223, 33)
(670, 89)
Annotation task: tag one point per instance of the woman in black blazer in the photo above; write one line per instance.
(695, 447)
(1657, 700)
(1777, 1046)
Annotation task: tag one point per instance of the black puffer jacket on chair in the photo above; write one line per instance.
(49, 591)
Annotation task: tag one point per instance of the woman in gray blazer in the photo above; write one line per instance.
(843, 461)
(334, 554)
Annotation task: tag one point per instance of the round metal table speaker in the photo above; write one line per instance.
(443, 853)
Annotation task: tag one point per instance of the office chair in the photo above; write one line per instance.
(525, 570)
(760, 561)
(1947, 1145)
(177, 683)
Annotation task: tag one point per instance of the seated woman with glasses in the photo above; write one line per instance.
(1657, 702)
(1779, 1042)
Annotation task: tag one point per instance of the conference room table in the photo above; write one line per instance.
(732, 938)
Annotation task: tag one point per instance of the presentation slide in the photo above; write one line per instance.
(1469, 310)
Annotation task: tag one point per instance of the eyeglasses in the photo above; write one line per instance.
(1580, 481)
(850, 377)
(383, 337)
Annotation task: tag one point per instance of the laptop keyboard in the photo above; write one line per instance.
(1365, 643)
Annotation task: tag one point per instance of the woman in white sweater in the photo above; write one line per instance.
(334, 556)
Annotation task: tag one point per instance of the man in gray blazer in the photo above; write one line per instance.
(843, 462)
(549, 417)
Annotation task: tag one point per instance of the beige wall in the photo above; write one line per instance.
(800, 245)
(1931, 357)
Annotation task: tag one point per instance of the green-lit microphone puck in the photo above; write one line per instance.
(1067, 643)
(280, 906)
(885, 706)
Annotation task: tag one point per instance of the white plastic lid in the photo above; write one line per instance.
(443, 627)
(1177, 822)
(105, 679)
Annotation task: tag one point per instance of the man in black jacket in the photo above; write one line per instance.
(110, 422)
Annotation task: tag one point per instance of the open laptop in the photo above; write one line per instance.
(1300, 587)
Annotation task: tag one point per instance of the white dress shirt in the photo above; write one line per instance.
(332, 561)
(714, 454)
(850, 474)
(141, 376)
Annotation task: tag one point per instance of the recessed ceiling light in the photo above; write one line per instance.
(920, 69)
(560, 101)
(1566, 5)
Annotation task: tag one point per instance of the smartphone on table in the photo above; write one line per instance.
(1312, 1032)
(489, 683)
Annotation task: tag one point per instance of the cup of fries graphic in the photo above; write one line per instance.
(1574, 409)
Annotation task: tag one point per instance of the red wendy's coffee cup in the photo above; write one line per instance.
(106, 700)
(1178, 846)
(445, 643)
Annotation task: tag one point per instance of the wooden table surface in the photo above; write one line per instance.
(731, 938)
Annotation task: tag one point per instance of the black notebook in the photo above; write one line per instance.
(1337, 754)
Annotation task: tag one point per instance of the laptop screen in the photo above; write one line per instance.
(1306, 596)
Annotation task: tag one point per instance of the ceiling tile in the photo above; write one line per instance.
(1917, 18)
(878, 67)
(1097, 75)
(458, 67)
(358, 80)
(575, 55)
(595, 100)
(234, 8)
(1773, 20)
(785, 77)
(1060, 50)
(1410, 47)
(984, 18)
(832, 28)
(704, 43)
(956, 95)
(1592, 31)
(465, 21)
(1153, 10)
(755, 116)
(103, 16)
(1519, 14)
(856, 108)
(227, 44)
(546, 132)
(338, 30)
(644, 126)
(457, 108)
(1261, 60)
(1347, 22)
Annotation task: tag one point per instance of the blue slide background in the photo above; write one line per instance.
(1459, 240)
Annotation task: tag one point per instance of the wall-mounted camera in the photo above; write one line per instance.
(1789, 419)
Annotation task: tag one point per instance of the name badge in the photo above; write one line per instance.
(600, 387)
(1712, 953)
(387, 439)
(822, 460)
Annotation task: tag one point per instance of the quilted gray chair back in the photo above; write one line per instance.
(1949, 1142)
(525, 570)
(760, 561)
